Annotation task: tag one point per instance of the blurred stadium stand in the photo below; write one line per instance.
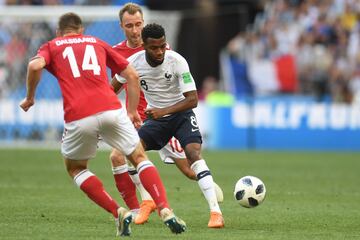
(308, 49)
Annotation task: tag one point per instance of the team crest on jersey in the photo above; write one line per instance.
(168, 76)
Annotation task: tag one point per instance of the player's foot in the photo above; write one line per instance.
(123, 222)
(175, 224)
(146, 208)
(216, 220)
(134, 213)
(219, 193)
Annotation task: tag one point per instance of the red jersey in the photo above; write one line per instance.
(79, 63)
(126, 52)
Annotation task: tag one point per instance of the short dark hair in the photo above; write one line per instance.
(152, 30)
(131, 8)
(69, 21)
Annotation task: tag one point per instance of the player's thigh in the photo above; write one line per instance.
(79, 139)
(187, 130)
(172, 150)
(118, 131)
(155, 134)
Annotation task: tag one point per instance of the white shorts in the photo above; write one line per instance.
(80, 137)
(171, 150)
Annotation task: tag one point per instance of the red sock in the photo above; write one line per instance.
(94, 189)
(127, 189)
(151, 181)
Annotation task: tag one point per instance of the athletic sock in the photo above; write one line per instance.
(126, 186)
(94, 189)
(136, 180)
(206, 184)
(151, 181)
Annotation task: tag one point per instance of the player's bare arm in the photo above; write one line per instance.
(35, 67)
(133, 87)
(190, 102)
(118, 86)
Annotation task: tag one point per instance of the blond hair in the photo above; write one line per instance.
(131, 8)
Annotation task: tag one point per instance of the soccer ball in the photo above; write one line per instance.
(249, 191)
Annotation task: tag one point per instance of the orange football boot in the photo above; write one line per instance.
(146, 208)
(216, 220)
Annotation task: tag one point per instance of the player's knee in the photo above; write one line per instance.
(70, 171)
(117, 158)
(74, 167)
(137, 156)
(193, 152)
(193, 155)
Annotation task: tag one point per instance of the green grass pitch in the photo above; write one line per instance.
(309, 196)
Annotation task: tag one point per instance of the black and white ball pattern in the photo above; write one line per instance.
(249, 191)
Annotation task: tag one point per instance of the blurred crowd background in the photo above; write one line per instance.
(314, 43)
(322, 36)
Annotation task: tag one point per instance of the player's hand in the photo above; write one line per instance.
(135, 119)
(155, 113)
(25, 104)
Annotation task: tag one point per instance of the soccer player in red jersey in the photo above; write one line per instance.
(91, 107)
(132, 23)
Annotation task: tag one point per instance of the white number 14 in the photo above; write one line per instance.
(90, 61)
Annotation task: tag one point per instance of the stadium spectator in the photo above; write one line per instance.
(321, 35)
(68, 2)
(91, 108)
(3, 77)
(19, 41)
(170, 91)
(16, 50)
(355, 83)
(4, 70)
(209, 85)
(132, 23)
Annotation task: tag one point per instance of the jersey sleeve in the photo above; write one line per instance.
(44, 52)
(119, 78)
(186, 80)
(114, 60)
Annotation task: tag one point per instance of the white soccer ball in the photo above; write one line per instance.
(249, 191)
